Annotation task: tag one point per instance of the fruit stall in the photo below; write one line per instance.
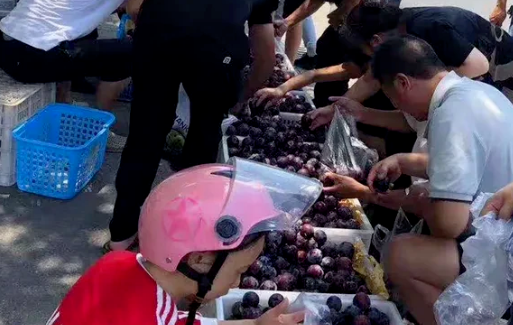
(325, 257)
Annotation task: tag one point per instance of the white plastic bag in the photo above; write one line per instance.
(315, 313)
(480, 295)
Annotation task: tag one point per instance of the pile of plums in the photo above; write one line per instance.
(270, 139)
(303, 260)
(359, 313)
(280, 73)
(250, 308)
(294, 103)
(328, 212)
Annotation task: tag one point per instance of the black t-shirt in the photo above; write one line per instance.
(452, 32)
(205, 25)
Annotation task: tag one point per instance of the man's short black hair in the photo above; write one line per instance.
(406, 54)
(370, 18)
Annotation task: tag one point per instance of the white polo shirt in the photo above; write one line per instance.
(44, 24)
(470, 139)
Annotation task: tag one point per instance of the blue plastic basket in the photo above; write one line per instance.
(60, 149)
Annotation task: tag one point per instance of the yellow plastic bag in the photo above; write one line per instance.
(369, 268)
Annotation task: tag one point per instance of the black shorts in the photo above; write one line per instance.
(290, 6)
(107, 59)
(469, 232)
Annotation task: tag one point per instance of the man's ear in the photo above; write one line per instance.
(402, 82)
(375, 41)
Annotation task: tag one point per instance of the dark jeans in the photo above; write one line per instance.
(160, 65)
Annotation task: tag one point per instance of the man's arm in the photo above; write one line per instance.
(390, 120)
(499, 13)
(262, 46)
(447, 219)
(364, 87)
(414, 164)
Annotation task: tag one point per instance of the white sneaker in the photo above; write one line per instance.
(115, 143)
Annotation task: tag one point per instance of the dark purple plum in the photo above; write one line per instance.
(233, 141)
(330, 224)
(306, 121)
(314, 256)
(273, 161)
(291, 134)
(251, 313)
(376, 317)
(274, 237)
(232, 152)
(286, 282)
(282, 162)
(297, 162)
(243, 130)
(271, 249)
(303, 156)
(311, 170)
(268, 272)
(315, 271)
(231, 130)
(300, 241)
(281, 263)
(247, 142)
(311, 244)
(290, 169)
(290, 252)
(315, 154)
(290, 145)
(350, 287)
(322, 286)
(344, 213)
(331, 216)
(334, 302)
(331, 202)
(320, 219)
(381, 185)
(329, 277)
(363, 289)
(255, 132)
(346, 249)
(237, 310)
(265, 260)
(343, 264)
(361, 320)
(351, 312)
(314, 162)
(320, 207)
(281, 139)
(309, 284)
(290, 236)
(249, 282)
(268, 285)
(353, 224)
(270, 134)
(362, 301)
(320, 237)
(255, 268)
(301, 257)
(250, 299)
(327, 263)
(341, 224)
(260, 142)
(290, 159)
(307, 231)
(329, 250)
(304, 172)
(275, 300)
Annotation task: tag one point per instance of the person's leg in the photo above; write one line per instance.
(421, 267)
(151, 118)
(308, 61)
(108, 93)
(293, 41)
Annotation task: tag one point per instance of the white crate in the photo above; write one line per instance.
(224, 304)
(7, 5)
(18, 102)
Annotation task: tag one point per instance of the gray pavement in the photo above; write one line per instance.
(45, 244)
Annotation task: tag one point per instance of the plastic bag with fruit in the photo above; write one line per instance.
(480, 295)
(338, 153)
(315, 313)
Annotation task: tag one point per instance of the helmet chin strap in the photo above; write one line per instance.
(205, 282)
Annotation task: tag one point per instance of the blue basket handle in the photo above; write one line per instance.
(122, 26)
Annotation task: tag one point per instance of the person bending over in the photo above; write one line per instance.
(469, 151)
(45, 41)
(464, 41)
(200, 230)
(199, 45)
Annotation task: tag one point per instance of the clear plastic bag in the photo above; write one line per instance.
(480, 295)
(338, 153)
(315, 313)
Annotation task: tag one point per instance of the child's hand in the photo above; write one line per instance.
(501, 203)
(278, 316)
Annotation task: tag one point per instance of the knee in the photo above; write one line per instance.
(396, 257)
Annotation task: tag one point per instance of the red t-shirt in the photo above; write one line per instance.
(117, 290)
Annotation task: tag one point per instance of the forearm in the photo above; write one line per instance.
(447, 219)
(392, 200)
(390, 120)
(262, 47)
(414, 164)
(308, 8)
(334, 73)
(364, 87)
(502, 4)
(298, 82)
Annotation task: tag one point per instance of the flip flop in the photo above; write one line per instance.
(133, 247)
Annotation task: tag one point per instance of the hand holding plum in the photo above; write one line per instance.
(344, 187)
(501, 203)
(268, 94)
(280, 27)
(278, 316)
(347, 106)
(386, 171)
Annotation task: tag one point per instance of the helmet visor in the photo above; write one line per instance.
(264, 198)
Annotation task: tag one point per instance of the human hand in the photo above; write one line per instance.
(501, 203)
(389, 168)
(280, 27)
(268, 94)
(278, 316)
(344, 187)
(348, 106)
(498, 16)
(321, 116)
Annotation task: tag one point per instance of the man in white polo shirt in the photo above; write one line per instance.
(470, 150)
(49, 41)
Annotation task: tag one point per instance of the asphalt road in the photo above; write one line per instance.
(45, 245)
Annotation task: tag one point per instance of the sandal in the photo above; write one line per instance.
(133, 247)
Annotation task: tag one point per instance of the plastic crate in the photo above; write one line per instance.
(60, 149)
(7, 5)
(225, 303)
(18, 102)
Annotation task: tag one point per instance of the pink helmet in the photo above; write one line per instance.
(214, 207)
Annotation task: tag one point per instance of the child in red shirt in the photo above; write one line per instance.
(199, 231)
